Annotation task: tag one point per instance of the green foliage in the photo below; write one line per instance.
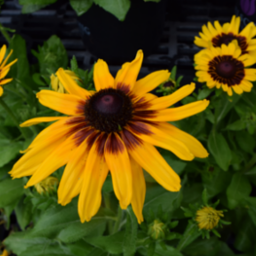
(81, 6)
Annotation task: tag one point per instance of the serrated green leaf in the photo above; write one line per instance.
(11, 191)
(131, 228)
(238, 189)
(118, 8)
(220, 150)
(81, 6)
(78, 230)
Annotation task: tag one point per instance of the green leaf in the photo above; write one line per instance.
(159, 251)
(204, 93)
(4, 171)
(220, 150)
(78, 230)
(251, 204)
(80, 248)
(236, 126)
(131, 228)
(23, 213)
(29, 8)
(205, 196)
(10, 191)
(81, 6)
(118, 8)
(112, 244)
(245, 141)
(238, 189)
(191, 234)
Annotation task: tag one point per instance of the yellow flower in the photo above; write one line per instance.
(57, 85)
(208, 217)
(5, 253)
(113, 129)
(4, 69)
(46, 185)
(215, 36)
(224, 67)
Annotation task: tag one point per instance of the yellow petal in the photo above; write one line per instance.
(237, 89)
(94, 175)
(63, 103)
(54, 161)
(101, 76)
(174, 114)
(128, 74)
(38, 120)
(159, 138)
(138, 189)
(119, 164)
(71, 180)
(2, 53)
(1, 91)
(218, 26)
(5, 81)
(150, 82)
(150, 160)
(246, 86)
(166, 101)
(8, 65)
(194, 146)
(3, 73)
(70, 85)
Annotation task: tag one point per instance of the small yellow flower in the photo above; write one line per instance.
(4, 69)
(46, 185)
(5, 253)
(57, 85)
(208, 217)
(156, 229)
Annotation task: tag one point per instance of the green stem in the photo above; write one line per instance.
(118, 221)
(5, 34)
(10, 113)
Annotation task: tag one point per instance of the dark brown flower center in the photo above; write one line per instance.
(108, 110)
(226, 70)
(224, 38)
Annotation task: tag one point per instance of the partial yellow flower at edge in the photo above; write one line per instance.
(4, 69)
(5, 253)
(46, 185)
(208, 217)
(57, 85)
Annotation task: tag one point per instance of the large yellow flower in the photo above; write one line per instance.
(113, 129)
(225, 67)
(217, 35)
(4, 69)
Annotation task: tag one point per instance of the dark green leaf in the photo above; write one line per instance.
(4, 171)
(204, 93)
(238, 189)
(191, 234)
(29, 8)
(205, 196)
(78, 230)
(236, 126)
(80, 248)
(23, 213)
(118, 8)
(81, 6)
(10, 191)
(131, 228)
(245, 141)
(220, 150)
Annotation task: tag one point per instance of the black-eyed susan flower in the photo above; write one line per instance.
(208, 217)
(113, 129)
(224, 67)
(5, 253)
(46, 185)
(215, 36)
(4, 69)
(57, 85)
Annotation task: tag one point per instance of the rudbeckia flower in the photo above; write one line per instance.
(208, 218)
(113, 129)
(4, 69)
(225, 67)
(217, 35)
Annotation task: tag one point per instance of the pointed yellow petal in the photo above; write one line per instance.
(150, 160)
(166, 101)
(71, 180)
(218, 26)
(128, 74)
(1, 91)
(194, 146)
(5, 81)
(10, 64)
(64, 103)
(2, 53)
(70, 85)
(150, 82)
(94, 175)
(54, 161)
(138, 189)
(101, 76)
(3, 73)
(246, 86)
(174, 114)
(119, 164)
(38, 120)
(237, 89)
(159, 138)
